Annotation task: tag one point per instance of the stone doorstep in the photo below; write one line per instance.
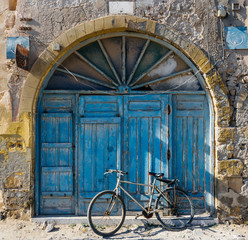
(202, 221)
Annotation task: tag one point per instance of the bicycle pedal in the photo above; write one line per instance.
(138, 215)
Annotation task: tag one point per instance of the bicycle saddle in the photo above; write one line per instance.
(166, 180)
(156, 174)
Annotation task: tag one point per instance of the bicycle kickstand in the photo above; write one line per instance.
(138, 215)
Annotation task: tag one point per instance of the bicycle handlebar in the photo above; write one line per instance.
(115, 170)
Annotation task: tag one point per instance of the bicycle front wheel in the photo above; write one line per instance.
(106, 213)
(175, 209)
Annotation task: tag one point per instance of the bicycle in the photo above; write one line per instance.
(173, 207)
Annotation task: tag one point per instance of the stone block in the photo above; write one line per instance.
(108, 22)
(28, 93)
(166, 33)
(71, 35)
(33, 80)
(243, 131)
(231, 205)
(39, 69)
(80, 30)
(242, 201)
(226, 200)
(213, 79)
(230, 147)
(200, 58)
(134, 23)
(241, 98)
(24, 130)
(222, 153)
(193, 51)
(62, 40)
(235, 183)
(230, 168)
(151, 26)
(90, 27)
(99, 24)
(178, 40)
(160, 30)
(26, 103)
(205, 65)
(222, 185)
(120, 22)
(223, 117)
(131, 18)
(15, 180)
(225, 134)
(184, 45)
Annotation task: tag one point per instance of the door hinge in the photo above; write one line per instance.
(168, 154)
(169, 109)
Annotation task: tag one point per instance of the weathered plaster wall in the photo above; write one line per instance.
(14, 135)
(194, 20)
(5, 71)
(191, 18)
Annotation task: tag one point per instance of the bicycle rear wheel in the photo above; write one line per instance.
(106, 213)
(179, 213)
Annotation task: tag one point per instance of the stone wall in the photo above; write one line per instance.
(194, 20)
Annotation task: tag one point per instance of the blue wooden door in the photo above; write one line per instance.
(56, 164)
(191, 148)
(100, 145)
(124, 132)
(145, 142)
(129, 132)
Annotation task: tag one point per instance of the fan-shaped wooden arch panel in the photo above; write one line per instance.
(124, 63)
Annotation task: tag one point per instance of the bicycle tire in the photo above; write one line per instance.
(179, 216)
(102, 221)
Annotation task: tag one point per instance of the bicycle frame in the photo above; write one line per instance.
(153, 186)
(108, 208)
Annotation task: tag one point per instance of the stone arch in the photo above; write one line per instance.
(72, 37)
(120, 23)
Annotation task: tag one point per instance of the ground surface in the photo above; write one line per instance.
(16, 229)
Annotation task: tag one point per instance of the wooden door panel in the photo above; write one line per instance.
(191, 151)
(145, 142)
(56, 165)
(100, 146)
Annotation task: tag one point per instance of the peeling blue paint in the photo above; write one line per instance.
(236, 37)
(12, 43)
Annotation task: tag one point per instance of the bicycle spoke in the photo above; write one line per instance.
(106, 213)
(175, 209)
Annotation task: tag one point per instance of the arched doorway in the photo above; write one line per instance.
(121, 100)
